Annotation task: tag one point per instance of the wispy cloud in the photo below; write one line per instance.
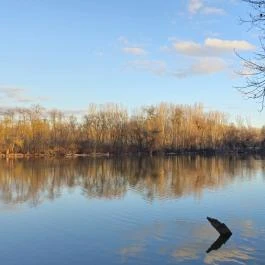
(131, 48)
(210, 57)
(194, 6)
(202, 66)
(18, 95)
(134, 50)
(199, 6)
(211, 47)
(228, 45)
(207, 58)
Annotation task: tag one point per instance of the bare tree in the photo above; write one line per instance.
(254, 68)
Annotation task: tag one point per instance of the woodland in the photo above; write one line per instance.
(111, 129)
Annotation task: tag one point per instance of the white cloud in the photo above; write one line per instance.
(18, 95)
(134, 50)
(198, 6)
(206, 58)
(131, 48)
(153, 66)
(203, 66)
(228, 45)
(209, 57)
(194, 6)
(15, 94)
(211, 47)
(189, 48)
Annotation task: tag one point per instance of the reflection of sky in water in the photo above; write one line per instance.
(186, 242)
(72, 217)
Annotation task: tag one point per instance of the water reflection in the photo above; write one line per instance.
(34, 181)
(131, 211)
(233, 255)
(221, 240)
(187, 244)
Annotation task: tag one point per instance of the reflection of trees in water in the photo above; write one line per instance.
(37, 180)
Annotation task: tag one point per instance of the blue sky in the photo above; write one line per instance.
(66, 54)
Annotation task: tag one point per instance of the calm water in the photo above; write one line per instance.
(131, 211)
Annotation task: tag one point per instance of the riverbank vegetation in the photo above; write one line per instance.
(111, 129)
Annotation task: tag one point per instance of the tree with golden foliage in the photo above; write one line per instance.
(163, 128)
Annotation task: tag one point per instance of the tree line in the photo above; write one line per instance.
(111, 128)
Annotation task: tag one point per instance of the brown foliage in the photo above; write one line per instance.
(110, 129)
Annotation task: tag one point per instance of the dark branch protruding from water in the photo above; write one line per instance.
(223, 230)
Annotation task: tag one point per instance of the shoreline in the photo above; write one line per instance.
(218, 152)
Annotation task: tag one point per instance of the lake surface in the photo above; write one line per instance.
(131, 211)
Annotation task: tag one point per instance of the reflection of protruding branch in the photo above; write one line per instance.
(219, 242)
(223, 230)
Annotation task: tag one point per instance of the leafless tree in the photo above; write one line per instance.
(254, 68)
